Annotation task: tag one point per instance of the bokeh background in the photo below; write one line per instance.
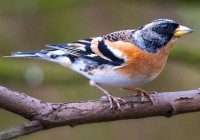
(30, 24)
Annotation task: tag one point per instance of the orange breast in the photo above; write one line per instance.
(141, 62)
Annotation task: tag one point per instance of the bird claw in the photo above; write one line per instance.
(112, 99)
(115, 100)
(143, 93)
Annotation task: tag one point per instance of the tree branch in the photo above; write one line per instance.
(23, 129)
(42, 115)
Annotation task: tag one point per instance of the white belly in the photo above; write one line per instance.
(110, 77)
(114, 79)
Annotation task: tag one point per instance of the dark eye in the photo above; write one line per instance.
(165, 27)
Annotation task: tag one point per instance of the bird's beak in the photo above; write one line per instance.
(182, 30)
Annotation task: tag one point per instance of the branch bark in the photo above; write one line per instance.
(42, 115)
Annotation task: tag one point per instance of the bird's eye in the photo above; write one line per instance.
(165, 27)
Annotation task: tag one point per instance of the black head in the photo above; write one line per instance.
(154, 35)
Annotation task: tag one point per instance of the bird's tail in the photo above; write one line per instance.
(43, 54)
(36, 54)
(54, 55)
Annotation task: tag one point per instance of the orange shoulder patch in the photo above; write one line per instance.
(128, 50)
(94, 46)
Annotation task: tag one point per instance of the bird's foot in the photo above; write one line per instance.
(115, 101)
(112, 99)
(143, 93)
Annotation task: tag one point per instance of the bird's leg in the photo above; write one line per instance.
(142, 93)
(112, 99)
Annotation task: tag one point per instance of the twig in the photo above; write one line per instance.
(23, 129)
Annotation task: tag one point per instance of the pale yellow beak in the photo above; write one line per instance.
(182, 30)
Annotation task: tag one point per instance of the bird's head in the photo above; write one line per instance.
(156, 34)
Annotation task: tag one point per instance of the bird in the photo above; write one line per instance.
(125, 59)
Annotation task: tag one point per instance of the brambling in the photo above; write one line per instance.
(125, 59)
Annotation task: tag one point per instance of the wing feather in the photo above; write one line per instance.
(108, 49)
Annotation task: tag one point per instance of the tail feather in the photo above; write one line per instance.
(24, 54)
(53, 55)
(43, 54)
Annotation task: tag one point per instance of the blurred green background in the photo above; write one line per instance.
(30, 24)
